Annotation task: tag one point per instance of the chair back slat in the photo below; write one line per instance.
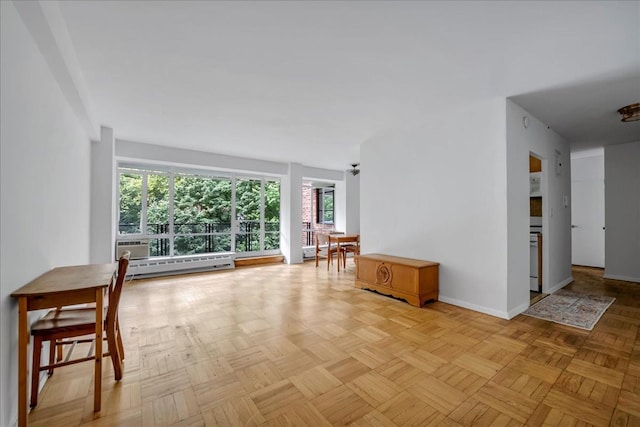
(322, 239)
(116, 291)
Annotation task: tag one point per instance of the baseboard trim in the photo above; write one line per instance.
(479, 308)
(560, 285)
(262, 260)
(518, 310)
(623, 278)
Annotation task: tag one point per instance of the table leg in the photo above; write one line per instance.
(97, 398)
(23, 348)
(338, 256)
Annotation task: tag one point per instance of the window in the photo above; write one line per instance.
(197, 212)
(324, 205)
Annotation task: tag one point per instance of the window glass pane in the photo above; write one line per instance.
(272, 215)
(157, 204)
(271, 241)
(201, 204)
(190, 245)
(130, 187)
(248, 207)
(327, 202)
(248, 242)
(159, 247)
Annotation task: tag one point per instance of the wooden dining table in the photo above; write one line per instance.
(342, 239)
(61, 287)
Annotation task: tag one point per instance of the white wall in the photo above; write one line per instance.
(622, 211)
(439, 194)
(539, 139)
(45, 158)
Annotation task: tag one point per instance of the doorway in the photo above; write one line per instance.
(535, 226)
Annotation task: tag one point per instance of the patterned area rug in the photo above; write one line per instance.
(569, 308)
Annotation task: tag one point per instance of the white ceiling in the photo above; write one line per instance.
(308, 82)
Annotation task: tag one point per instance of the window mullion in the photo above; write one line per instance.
(234, 220)
(262, 207)
(143, 207)
(171, 211)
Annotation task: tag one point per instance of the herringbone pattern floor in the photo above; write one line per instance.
(295, 345)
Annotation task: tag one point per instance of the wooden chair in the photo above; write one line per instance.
(324, 249)
(61, 324)
(350, 247)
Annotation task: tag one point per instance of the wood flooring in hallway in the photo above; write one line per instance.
(294, 345)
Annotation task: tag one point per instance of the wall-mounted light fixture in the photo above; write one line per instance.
(354, 171)
(630, 113)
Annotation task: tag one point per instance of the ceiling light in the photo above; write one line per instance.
(355, 171)
(630, 113)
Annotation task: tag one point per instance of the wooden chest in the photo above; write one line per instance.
(410, 279)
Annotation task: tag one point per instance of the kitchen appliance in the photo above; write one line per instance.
(534, 184)
(535, 258)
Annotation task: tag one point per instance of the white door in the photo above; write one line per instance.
(587, 223)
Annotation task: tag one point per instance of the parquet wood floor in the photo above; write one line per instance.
(294, 345)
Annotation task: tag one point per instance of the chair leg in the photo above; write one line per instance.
(52, 354)
(59, 358)
(119, 337)
(35, 370)
(116, 359)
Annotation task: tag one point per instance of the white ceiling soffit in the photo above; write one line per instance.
(587, 113)
(308, 82)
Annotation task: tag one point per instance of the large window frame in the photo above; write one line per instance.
(167, 233)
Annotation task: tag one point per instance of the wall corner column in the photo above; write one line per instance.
(291, 214)
(103, 200)
(353, 203)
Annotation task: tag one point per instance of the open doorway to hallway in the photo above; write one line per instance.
(535, 227)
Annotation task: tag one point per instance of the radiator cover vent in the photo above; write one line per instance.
(180, 264)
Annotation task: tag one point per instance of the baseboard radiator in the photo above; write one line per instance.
(309, 252)
(163, 266)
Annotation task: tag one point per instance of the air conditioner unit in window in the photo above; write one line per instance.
(138, 248)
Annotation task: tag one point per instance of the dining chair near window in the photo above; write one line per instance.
(63, 326)
(325, 249)
(353, 248)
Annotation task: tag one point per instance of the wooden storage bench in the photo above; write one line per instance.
(413, 280)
